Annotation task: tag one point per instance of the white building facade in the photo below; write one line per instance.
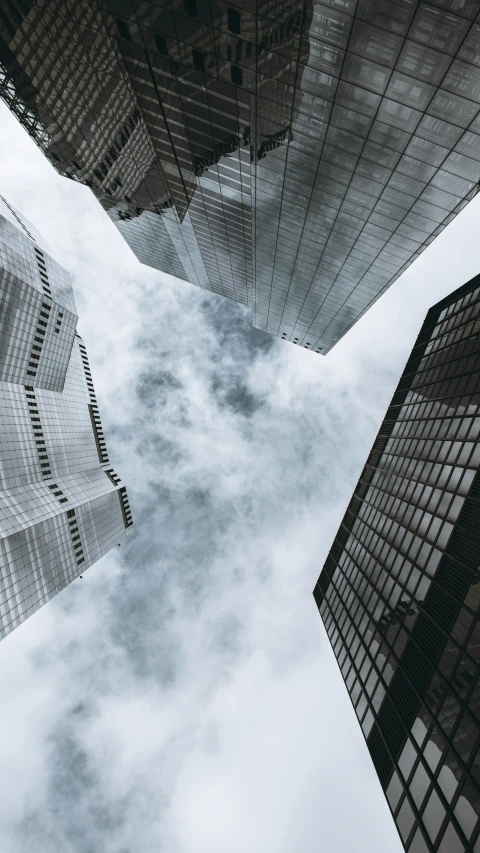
(62, 506)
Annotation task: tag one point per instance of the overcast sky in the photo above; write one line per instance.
(183, 697)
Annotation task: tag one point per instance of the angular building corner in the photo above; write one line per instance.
(295, 157)
(400, 590)
(62, 506)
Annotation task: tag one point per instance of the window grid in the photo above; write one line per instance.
(400, 593)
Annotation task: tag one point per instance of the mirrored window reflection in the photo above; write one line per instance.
(433, 815)
(405, 820)
(418, 844)
(407, 758)
(419, 785)
(467, 809)
(451, 842)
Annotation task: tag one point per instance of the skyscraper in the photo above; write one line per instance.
(400, 590)
(62, 506)
(295, 156)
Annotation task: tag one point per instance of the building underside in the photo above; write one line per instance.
(296, 157)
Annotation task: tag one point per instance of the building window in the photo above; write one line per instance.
(161, 44)
(233, 21)
(237, 76)
(198, 60)
(191, 7)
(122, 27)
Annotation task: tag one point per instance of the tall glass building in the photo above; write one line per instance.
(62, 506)
(296, 156)
(400, 590)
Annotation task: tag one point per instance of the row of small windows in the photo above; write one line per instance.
(295, 341)
(58, 493)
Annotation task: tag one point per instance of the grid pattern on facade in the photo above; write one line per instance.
(400, 594)
(40, 560)
(49, 462)
(58, 510)
(296, 157)
(61, 421)
(148, 237)
(24, 505)
(389, 97)
(17, 219)
(35, 564)
(38, 314)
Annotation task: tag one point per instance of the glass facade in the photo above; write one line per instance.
(294, 156)
(61, 504)
(38, 315)
(400, 590)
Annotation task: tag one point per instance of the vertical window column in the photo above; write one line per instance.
(37, 431)
(93, 407)
(75, 535)
(126, 511)
(39, 339)
(43, 271)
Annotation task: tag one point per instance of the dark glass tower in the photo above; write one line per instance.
(296, 156)
(400, 590)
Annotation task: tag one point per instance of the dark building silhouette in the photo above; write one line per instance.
(294, 156)
(400, 590)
